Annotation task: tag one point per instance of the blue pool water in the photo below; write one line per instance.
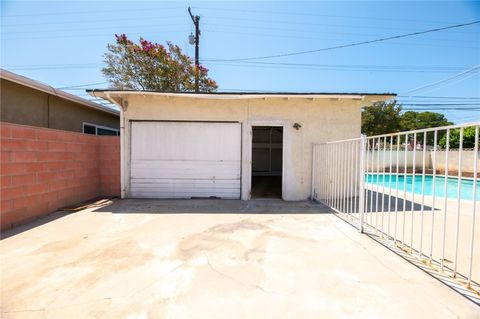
(395, 181)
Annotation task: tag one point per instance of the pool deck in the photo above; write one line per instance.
(407, 226)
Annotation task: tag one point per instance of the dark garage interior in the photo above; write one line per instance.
(267, 150)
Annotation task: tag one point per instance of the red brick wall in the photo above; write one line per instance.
(43, 170)
(109, 151)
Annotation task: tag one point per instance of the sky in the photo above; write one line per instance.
(61, 43)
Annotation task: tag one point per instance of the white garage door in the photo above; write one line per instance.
(185, 160)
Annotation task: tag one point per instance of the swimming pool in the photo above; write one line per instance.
(395, 181)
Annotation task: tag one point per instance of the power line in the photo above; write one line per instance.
(350, 44)
(439, 97)
(269, 21)
(463, 75)
(315, 31)
(254, 64)
(276, 35)
(92, 35)
(156, 18)
(81, 85)
(86, 12)
(52, 66)
(421, 67)
(342, 25)
(405, 107)
(315, 14)
(142, 27)
(123, 27)
(441, 109)
(441, 104)
(356, 68)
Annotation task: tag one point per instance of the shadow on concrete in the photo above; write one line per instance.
(380, 202)
(185, 206)
(35, 223)
(387, 203)
(212, 206)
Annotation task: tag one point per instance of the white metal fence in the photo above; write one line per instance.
(427, 210)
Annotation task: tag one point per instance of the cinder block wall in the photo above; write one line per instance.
(109, 159)
(43, 170)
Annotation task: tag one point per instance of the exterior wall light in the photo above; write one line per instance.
(297, 126)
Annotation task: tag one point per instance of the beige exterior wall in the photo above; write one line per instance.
(24, 105)
(376, 159)
(468, 160)
(322, 119)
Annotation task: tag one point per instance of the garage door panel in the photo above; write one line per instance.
(185, 169)
(185, 140)
(183, 160)
(203, 194)
(167, 182)
(184, 188)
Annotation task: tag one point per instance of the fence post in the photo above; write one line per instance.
(361, 197)
(312, 190)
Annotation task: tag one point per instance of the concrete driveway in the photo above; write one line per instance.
(212, 259)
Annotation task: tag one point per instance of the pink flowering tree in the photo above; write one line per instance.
(152, 67)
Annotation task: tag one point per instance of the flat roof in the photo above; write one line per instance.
(22, 80)
(239, 93)
(109, 93)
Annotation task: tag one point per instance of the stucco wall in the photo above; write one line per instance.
(27, 106)
(468, 160)
(322, 119)
(376, 160)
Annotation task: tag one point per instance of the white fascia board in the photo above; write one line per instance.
(109, 94)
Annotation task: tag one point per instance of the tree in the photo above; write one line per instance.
(381, 118)
(152, 67)
(454, 142)
(412, 120)
(386, 117)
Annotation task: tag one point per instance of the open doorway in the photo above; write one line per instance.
(267, 161)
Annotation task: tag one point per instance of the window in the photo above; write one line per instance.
(99, 130)
(89, 129)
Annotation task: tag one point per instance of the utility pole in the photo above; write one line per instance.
(196, 22)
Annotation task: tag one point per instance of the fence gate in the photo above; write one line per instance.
(416, 190)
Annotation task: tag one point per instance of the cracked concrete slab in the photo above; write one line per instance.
(212, 259)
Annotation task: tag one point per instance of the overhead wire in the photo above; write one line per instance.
(316, 14)
(325, 67)
(462, 75)
(350, 44)
(89, 12)
(284, 36)
(303, 31)
(306, 23)
(81, 85)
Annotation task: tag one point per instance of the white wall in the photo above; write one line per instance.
(375, 158)
(467, 160)
(322, 119)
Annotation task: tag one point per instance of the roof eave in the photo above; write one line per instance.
(110, 94)
(22, 80)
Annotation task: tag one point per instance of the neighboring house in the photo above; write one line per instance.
(29, 102)
(228, 145)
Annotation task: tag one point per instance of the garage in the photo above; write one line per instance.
(185, 159)
(228, 145)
